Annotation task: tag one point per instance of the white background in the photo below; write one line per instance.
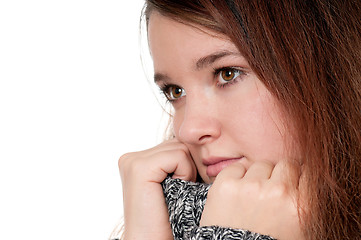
(73, 99)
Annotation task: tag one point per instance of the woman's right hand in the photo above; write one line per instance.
(145, 211)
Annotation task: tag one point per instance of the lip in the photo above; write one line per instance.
(216, 164)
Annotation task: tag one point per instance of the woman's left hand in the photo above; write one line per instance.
(258, 199)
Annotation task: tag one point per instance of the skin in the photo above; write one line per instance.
(238, 120)
(232, 135)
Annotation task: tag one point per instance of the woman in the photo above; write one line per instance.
(266, 98)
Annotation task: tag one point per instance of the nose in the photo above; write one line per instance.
(200, 123)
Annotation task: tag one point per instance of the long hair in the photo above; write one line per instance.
(308, 54)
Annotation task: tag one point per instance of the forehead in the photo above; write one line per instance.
(169, 39)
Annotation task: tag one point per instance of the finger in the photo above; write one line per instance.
(186, 172)
(178, 162)
(186, 169)
(259, 170)
(281, 172)
(235, 170)
(290, 174)
(167, 146)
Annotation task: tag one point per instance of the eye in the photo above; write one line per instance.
(227, 75)
(173, 92)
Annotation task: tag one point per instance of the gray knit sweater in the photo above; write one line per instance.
(185, 201)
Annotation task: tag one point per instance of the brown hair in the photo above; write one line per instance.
(308, 54)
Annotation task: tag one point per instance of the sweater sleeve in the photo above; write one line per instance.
(185, 201)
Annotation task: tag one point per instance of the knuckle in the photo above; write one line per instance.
(181, 154)
(128, 162)
(226, 187)
(253, 187)
(123, 159)
(279, 190)
(254, 184)
(126, 156)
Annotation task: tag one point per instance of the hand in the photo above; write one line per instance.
(258, 199)
(145, 211)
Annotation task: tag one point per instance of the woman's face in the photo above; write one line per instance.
(222, 111)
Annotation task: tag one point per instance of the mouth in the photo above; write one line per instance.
(217, 164)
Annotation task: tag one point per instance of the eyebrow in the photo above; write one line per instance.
(212, 58)
(160, 77)
(201, 63)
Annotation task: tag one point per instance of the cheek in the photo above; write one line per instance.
(266, 131)
(256, 125)
(177, 120)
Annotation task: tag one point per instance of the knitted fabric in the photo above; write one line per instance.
(185, 201)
